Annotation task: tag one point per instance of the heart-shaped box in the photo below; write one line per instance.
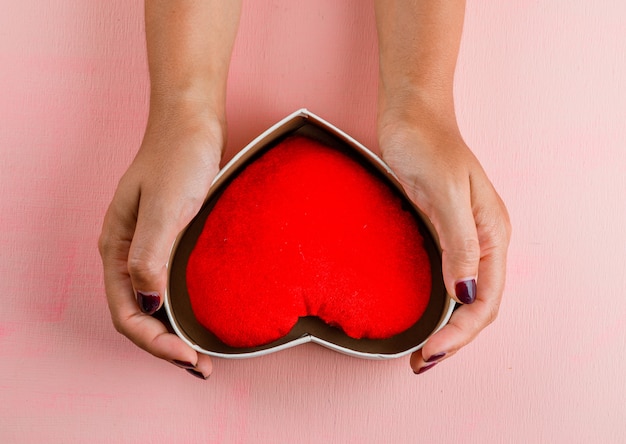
(308, 329)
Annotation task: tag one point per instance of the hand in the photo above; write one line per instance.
(156, 198)
(441, 175)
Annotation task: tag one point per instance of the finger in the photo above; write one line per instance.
(159, 221)
(149, 333)
(419, 364)
(469, 320)
(453, 220)
(143, 330)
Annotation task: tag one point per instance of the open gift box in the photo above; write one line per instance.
(306, 236)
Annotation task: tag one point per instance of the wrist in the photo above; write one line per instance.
(417, 119)
(190, 101)
(188, 107)
(417, 107)
(179, 119)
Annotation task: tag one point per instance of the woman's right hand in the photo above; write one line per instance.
(157, 197)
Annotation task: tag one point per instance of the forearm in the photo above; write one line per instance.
(189, 47)
(418, 43)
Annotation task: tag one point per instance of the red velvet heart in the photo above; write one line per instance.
(307, 230)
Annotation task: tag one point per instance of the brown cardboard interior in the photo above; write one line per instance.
(180, 306)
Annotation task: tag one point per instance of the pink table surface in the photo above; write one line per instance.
(541, 98)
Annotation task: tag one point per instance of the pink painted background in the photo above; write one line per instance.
(542, 100)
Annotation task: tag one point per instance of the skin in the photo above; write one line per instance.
(189, 46)
(420, 140)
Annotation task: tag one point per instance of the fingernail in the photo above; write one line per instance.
(184, 364)
(197, 374)
(148, 302)
(466, 290)
(426, 367)
(436, 357)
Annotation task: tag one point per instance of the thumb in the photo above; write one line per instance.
(155, 233)
(458, 239)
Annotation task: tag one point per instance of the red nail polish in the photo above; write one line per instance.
(466, 291)
(148, 302)
(426, 367)
(197, 374)
(435, 357)
(184, 364)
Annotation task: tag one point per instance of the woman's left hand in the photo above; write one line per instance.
(444, 179)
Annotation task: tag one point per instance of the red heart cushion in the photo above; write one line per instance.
(306, 230)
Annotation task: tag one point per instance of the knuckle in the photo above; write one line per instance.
(466, 253)
(502, 227)
(104, 243)
(142, 266)
(491, 314)
(118, 325)
(105, 239)
(494, 221)
(508, 228)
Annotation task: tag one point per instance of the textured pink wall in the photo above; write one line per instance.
(541, 99)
